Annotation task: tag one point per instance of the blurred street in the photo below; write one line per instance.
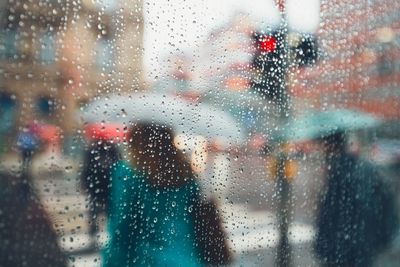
(286, 112)
(252, 231)
(246, 200)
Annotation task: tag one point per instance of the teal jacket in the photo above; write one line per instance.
(149, 226)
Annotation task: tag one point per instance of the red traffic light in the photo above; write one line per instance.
(267, 44)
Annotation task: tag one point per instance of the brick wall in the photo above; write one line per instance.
(359, 66)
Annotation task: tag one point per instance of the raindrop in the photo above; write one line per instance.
(68, 168)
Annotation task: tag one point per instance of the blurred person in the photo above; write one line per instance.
(27, 144)
(27, 237)
(357, 218)
(153, 202)
(99, 159)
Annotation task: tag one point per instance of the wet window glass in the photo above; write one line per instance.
(199, 133)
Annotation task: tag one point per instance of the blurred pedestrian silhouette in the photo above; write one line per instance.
(27, 144)
(153, 199)
(27, 237)
(357, 217)
(100, 158)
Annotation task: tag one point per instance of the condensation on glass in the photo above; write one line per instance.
(196, 133)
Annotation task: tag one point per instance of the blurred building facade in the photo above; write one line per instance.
(359, 66)
(226, 73)
(55, 56)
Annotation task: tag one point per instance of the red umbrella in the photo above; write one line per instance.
(105, 131)
(49, 133)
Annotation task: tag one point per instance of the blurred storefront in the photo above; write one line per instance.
(56, 56)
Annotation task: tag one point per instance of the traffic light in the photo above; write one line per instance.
(306, 50)
(268, 65)
(271, 60)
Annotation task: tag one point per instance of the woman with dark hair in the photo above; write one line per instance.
(100, 158)
(151, 205)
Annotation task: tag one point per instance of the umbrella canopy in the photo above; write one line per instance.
(105, 132)
(183, 116)
(48, 133)
(319, 124)
(249, 108)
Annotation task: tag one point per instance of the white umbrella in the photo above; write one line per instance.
(183, 116)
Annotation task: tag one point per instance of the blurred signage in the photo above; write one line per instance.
(236, 83)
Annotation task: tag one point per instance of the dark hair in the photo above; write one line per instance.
(102, 154)
(154, 153)
(335, 142)
(100, 158)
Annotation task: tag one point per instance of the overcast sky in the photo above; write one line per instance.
(183, 25)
